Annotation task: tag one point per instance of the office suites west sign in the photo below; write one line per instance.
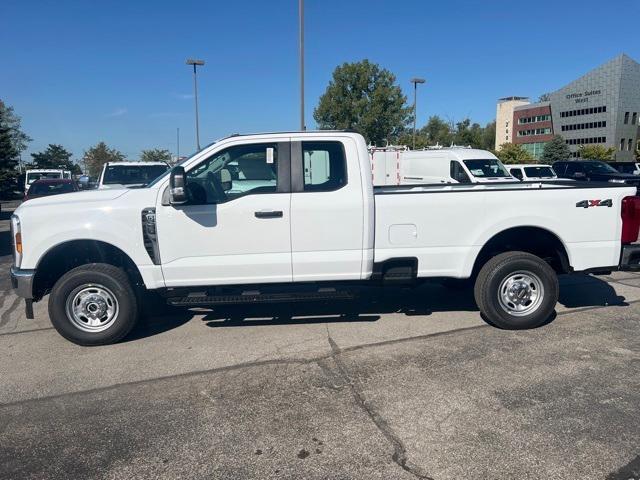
(583, 97)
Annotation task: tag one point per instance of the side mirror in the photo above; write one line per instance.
(177, 186)
(225, 179)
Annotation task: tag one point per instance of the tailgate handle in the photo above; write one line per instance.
(269, 214)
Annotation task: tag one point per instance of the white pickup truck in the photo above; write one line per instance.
(245, 220)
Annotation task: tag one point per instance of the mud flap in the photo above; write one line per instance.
(28, 308)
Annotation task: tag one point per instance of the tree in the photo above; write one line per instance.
(555, 150)
(489, 136)
(364, 97)
(468, 134)
(597, 152)
(98, 155)
(437, 132)
(55, 156)
(545, 97)
(8, 156)
(19, 139)
(155, 155)
(514, 153)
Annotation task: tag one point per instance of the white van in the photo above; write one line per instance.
(437, 165)
(532, 172)
(32, 175)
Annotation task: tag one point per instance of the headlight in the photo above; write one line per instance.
(616, 180)
(16, 237)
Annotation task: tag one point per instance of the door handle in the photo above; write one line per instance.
(269, 214)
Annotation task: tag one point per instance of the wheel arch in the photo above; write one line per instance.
(70, 254)
(536, 240)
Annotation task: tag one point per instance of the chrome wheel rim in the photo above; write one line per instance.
(520, 293)
(92, 308)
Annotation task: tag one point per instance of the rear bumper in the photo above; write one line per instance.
(22, 282)
(630, 258)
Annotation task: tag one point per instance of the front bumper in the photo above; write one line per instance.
(22, 282)
(630, 258)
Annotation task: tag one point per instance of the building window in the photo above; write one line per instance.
(626, 118)
(634, 120)
(630, 144)
(583, 111)
(621, 144)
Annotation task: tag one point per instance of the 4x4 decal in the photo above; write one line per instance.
(595, 203)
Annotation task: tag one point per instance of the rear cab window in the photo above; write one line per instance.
(325, 166)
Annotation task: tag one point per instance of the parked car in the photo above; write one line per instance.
(532, 172)
(43, 173)
(130, 174)
(626, 167)
(392, 166)
(50, 186)
(196, 240)
(593, 170)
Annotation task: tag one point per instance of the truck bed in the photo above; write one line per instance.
(446, 232)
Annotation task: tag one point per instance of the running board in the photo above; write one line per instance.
(256, 297)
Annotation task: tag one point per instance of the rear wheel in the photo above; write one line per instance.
(516, 290)
(93, 304)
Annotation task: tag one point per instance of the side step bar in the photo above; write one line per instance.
(257, 297)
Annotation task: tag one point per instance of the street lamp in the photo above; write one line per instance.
(195, 64)
(301, 54)
(415, 82)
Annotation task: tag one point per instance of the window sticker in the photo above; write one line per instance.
(270, 155)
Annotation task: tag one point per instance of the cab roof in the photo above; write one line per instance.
(129, 164)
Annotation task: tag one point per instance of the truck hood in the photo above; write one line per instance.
(86, 197)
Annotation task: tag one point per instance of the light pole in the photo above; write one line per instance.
(415, 82)
(178, 145)
(195, 64)
(301, 53)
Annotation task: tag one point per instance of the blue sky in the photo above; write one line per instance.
(80, 71)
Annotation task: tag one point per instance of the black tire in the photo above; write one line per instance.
(120, 293)
(531, 274)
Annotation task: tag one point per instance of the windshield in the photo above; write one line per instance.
(599, 167)
(486, 168)
(132, 174)
(539, 172)
(33, 176)
(46, 188)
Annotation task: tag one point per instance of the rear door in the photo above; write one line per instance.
(327, 210)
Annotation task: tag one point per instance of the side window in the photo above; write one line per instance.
(560, 168)
(573, 168)
(516, 172)
(457, 173)
(325, 166)
(234, 172)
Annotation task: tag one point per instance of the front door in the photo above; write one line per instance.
(234, 229)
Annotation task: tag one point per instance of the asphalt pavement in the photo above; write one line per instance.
(399, 384)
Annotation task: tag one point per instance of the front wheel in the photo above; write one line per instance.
(93, 304)
(516, 290)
